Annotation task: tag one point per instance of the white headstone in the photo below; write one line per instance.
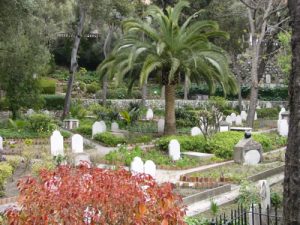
(238, 120)
(174, 150)
(81, 158)
(103, 126)
(265, 196)
(255, 116)
(149, 115)
(57, 143)
(98, 128)
(229, 120)
(283, 127)
(281, 111)
(137, 165)
(244, 115)
(252, 157)
(29, 112)
(161, 125)
(114, 127)
(268, 79)
(1, 143)
(196, 131)
(258, 107)
(233, 117)
(150, 168)
(268, 105)
(77, 143)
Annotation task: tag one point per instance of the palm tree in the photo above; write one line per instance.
(170, 50)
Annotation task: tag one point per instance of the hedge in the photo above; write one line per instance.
(268, 113)
(54, 102)
(109, 139)
(48, 86)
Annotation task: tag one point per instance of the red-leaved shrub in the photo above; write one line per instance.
(84, 195)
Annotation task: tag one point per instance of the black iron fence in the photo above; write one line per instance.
(254, 215)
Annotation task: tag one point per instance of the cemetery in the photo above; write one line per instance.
(158, 116)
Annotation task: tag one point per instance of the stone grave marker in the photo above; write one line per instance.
(265, 195)
(81, 158)
(224, 126)
(268, 105)
(30, 112)
(233, 117)
(174, 150)
(281, 111)
(283, 127)
(255, 116)
(115, 127)
(150, 168)
(244, 115)
(1, 143)
(238, 120)
(57, 143)
(196, 131)
(268, 79)
(137, 165)
(103, 126)
(77, 143)
(248, 151)
(98, 128)
(161, 126)
(149, 115)
(229, 120)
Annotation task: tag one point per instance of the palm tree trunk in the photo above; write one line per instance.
(144, 93)
(186, 88)
(74, 64)
(291, 193)
(170, 122)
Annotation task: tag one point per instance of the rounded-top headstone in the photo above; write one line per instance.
(160, 125)
(174, 150)
(233, 117)
(149, 114)
(196, 131)
(244, 115)
(252, 157)
(114, 127)
(77, 143)
(238, 120)
(137, 165)
(57, 143)
(150, 168)
(229, 120)
(1, 143)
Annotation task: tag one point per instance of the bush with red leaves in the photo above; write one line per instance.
(84, 195)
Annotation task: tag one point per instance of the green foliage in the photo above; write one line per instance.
(248, 194)
(54, 102)
(186, 117)
(214, 208)
(77, 110)
(284, 56)
(13, 160)
(276, 199)
(37, 166)
(93, 87)
(268, 113)
(48, 86)
(6, 171)
(84, 130)
(40, 123)
(109, 139)
(22, 134)
(197, 221)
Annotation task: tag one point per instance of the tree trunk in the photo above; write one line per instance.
(106, 50)
(237, 71)
(74, 64)
(291, 194)
(144, 93)
(186, 88)
(170, 122)
(162, 94)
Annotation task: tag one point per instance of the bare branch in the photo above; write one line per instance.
(248, 5)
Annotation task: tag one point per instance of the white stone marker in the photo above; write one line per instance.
(252, 157)
(150, 168)
(265, 196)
(283, 127)
(196, 131)
(77, 143)
(29, 112)
(229, 120)
(255, 116)
(174, 150)
(57, 143)
(103, 126)
(149, 115)
(137, 165)
(281, 111)
(161, 126)
(244, 115)
(268, 105)
(268, 79)
(1, 143)
(238, 120)
(115, 127)
(233, 117)
(98, 128)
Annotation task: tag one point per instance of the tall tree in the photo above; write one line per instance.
(291, 194)
(174, 50)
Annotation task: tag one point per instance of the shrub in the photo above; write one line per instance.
(77, 110)
(3, 104)
(48, 86)
(100, 196)
(54, 102)
(13, 160)
(276, 199)
(39, 123)
(92, 88)
(6, 171)
(84, 130)
(109, 139)
(268, 113)
(187, 143)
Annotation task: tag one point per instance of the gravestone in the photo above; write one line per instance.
(161, 126)
(255, 116)
(265, 196)
(30, 112)
(98, 128)
(268, 105)
(57, 143)
(229, 120)
(77, 143)
(150, 168)
(81, 158)
(196, 131)
(238, 120)
(233, 117)
(103, 126)
(137, 165)
(281, 111)
(283, 127)
(1, 143)
(115, 127)
(149, 115)
(244, 115)
(248, 151)
(174, 150)
(268, 79)
(224, 126)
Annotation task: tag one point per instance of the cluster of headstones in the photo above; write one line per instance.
(282, 124)
(238, 119)
(138, 166)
